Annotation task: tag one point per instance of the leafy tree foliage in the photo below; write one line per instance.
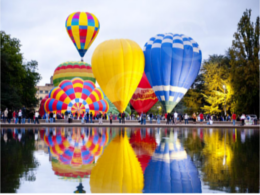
(230, 82)
(244, 61)
(18, 80)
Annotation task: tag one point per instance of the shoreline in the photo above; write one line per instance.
(133, 125)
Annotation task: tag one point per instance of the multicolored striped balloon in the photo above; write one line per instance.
(76, 96)
(70, 70)
(79, 148)
(82, 28)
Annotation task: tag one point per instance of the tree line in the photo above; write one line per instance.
(229, 82)
(18, 78)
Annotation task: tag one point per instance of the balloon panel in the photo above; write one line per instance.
(118, 66)
(172, 63)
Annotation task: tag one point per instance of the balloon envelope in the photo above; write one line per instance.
(118, 66)
(70, 70)
(76, 96)
(144, 97)
(82, 28)
(172, 63)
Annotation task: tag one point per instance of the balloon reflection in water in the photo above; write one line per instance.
(144, 147)
(171, 170)
(117, 170)
(81, 146)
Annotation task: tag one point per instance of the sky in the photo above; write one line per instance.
(40, 25)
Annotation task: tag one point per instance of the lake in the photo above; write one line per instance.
(148, 160)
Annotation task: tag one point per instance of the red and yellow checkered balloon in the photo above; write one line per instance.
(82, 28)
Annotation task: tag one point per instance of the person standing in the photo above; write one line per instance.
(20, 116)
(201, 117)
(91, 117)
(165, 117)
(47, 117)
(119, 117)
(144, 118)
(158, 118)
(54, 116)
(9, 116)
(110, 118)
(175, 117)
(242, 118)
(5, 114)
(100, 118)
(123, 118)
(141, 118)
(186, 117)
(194, 117)
(87, 117)
(14, 114)
(31, 115)
(36, 115)
(151, 118)
(51, 117)
(234, 117)
(23, 114)
(168, 118)
(65, 116)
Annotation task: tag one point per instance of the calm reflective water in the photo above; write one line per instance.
(67, 160)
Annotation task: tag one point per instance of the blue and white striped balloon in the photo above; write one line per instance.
(172, 63)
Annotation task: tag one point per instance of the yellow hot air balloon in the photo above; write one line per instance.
(118, 67)
(117, 170)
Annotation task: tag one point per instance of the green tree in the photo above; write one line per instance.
(244, 61)
(18, 80)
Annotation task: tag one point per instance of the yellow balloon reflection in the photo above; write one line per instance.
(118, 169)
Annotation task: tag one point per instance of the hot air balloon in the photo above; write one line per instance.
(171, 170)
(70, 70)
(172, 63)
(117, 170)
(82, 28)
(74, 96)
(118, 66)
(144, 97)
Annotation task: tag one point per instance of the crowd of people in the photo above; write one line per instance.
(20, 116)
(23, 116)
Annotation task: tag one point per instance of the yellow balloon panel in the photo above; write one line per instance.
(117, 170)
(118, 66)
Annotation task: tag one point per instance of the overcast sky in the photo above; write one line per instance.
(40, 25)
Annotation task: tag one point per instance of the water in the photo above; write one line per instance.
(65, 160)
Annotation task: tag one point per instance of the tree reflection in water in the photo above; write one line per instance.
(226, 162)
(17, 160)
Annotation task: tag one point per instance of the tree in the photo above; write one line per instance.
(217, 89)
(244, 61)
(18, 80)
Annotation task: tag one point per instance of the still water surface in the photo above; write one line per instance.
(107, 160)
